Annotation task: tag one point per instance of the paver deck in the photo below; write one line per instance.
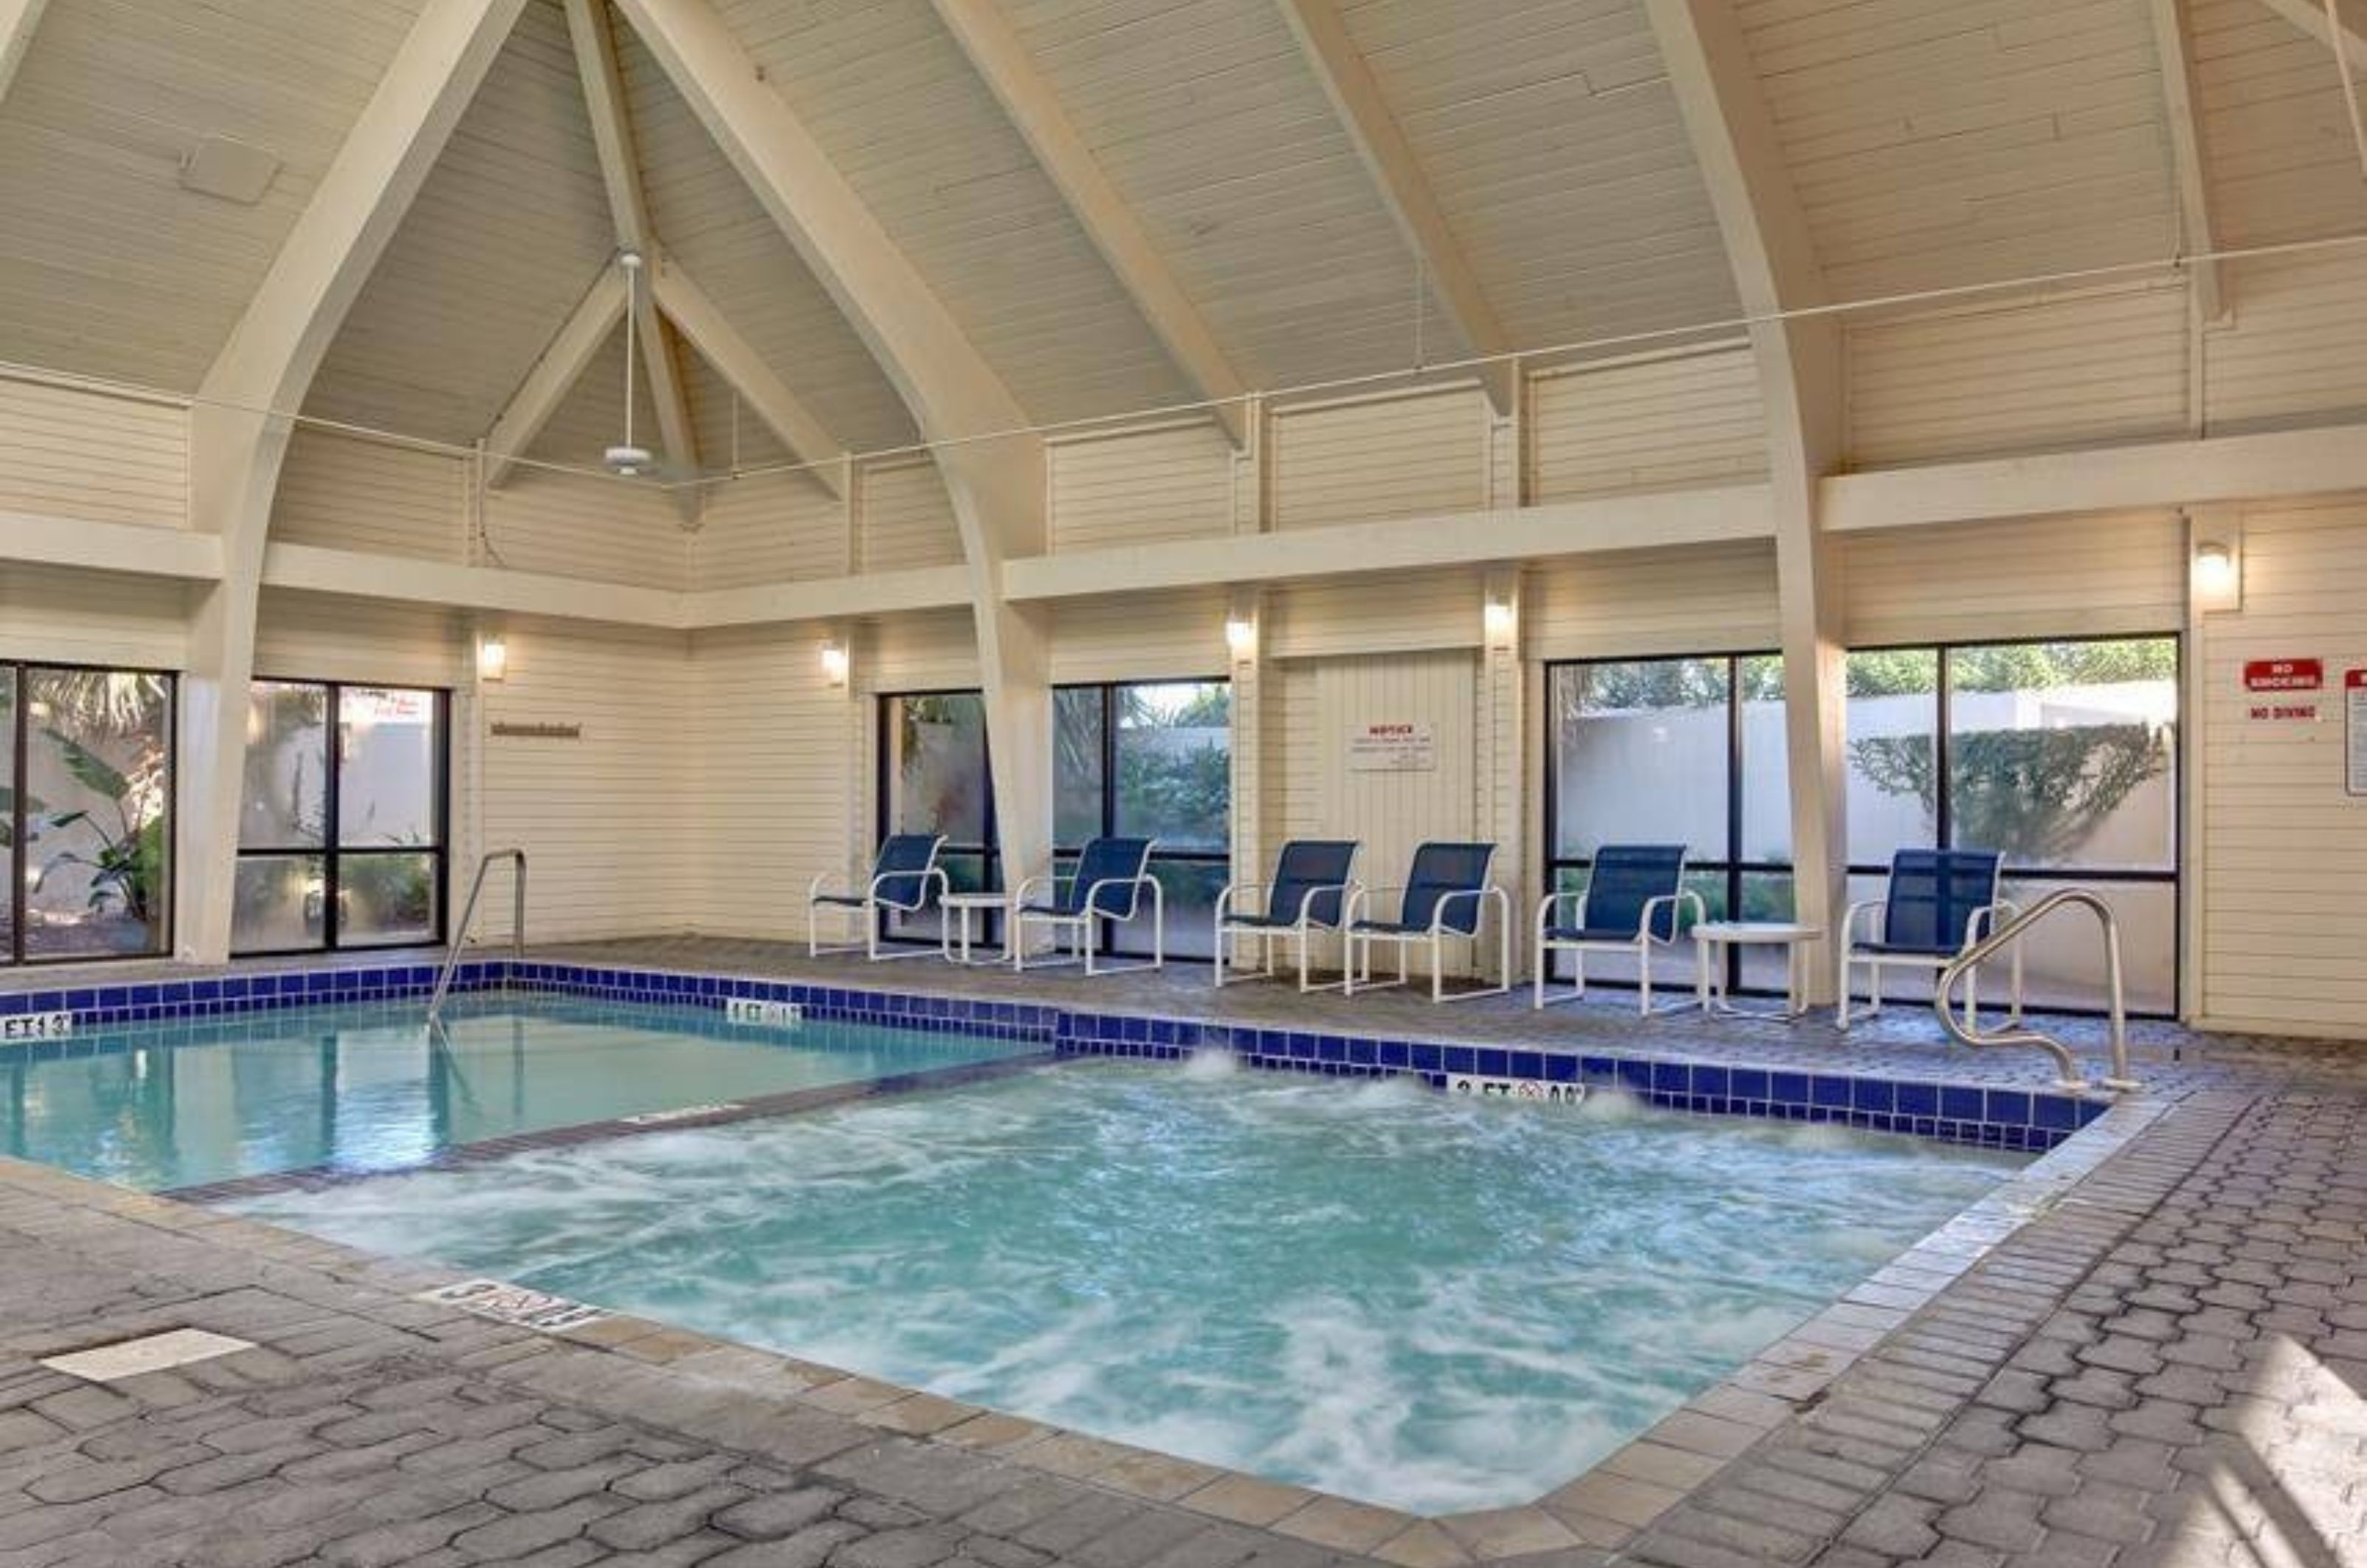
(2165, 1366)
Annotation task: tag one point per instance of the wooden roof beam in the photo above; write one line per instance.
(2197, 235)
(18, 18)
(562, 363)
(996, 52)
(1348, 81)
(696, 316)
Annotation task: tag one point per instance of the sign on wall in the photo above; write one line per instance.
(2280, 688)
(2354, 709)
(1399, 746)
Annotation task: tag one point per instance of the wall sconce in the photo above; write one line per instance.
(1240, 635)
(1498, 618)
(493, 658)
(833, 662)
(2218, 576)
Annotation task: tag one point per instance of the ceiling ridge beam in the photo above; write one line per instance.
(612, 139)
(2174, 38)
(998, 54)
(697, 316)
(1347, 80)
(562, 364)
(18, 20)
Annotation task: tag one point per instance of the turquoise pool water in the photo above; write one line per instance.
(367, 1087)
(1371, 1289)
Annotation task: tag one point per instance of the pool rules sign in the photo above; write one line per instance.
(2354, 731)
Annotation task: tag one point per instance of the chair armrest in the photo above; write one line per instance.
(1850, 919)
(1232, 890)
(1652, 907)
(1317, 890)
(1438, 910)
(1985, 922)
(933, 874)
(821, 880)
(1546, 906)
(1019, 894)
(1094, 891)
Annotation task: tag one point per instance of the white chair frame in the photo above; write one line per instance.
(1072, 938)
(1641, 945)
(1302, 930)
(1359, 955)
(868, 913)
(1986, 918)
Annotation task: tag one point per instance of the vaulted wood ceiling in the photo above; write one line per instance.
(1931, 143)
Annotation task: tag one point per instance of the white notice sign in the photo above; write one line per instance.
(2355, 711)
(1392, 747)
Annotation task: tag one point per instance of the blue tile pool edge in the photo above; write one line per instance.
(2016, 1119)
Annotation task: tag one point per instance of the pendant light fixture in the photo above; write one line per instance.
(627, 459)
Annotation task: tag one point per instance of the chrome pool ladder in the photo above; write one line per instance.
(1967, 1029)
(469, 918)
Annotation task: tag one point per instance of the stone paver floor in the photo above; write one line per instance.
(2165, 1367)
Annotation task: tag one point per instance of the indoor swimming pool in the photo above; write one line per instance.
(369, 1085)
(1433, 1302)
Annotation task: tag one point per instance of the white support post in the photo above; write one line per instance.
(1775, 269)
(1499, 816)
(239, 429)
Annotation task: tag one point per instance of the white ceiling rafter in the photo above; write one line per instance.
(951, 389)
(698, 318)
(18, 18)
(2197, 234)
(1332, 53)
(562, 364)
(999, 56)
(612, 136)
(2309, 16)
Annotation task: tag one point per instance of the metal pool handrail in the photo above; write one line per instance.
(469, 917)
(2006, 935)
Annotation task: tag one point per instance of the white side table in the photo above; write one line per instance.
(1712, 938)
(959, 907)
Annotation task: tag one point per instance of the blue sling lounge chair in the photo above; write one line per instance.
(1632, 904)
(1938, 903)
(1108, 887)
(904, 878)
(1312, 881)
(1445, 897)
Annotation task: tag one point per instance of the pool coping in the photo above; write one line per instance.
(1603, 1509)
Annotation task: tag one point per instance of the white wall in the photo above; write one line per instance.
(2284, 848)
(65, 452)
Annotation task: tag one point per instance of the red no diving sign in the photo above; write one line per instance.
(2276, 685)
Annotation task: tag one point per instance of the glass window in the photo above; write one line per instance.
(90, 830)
(1174, 764)
(1151, 759)
(1894, 748)
(1651, 751)
(2063, 756)
(1641, 755)
(341, 826)
(2063, 753)
(935, 779)
(1077, 764)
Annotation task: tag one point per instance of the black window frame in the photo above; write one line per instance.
(1731, 866)
(332, 853)
(1942, 774)
(990, 853)
(1108, 828)
(12, 956)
